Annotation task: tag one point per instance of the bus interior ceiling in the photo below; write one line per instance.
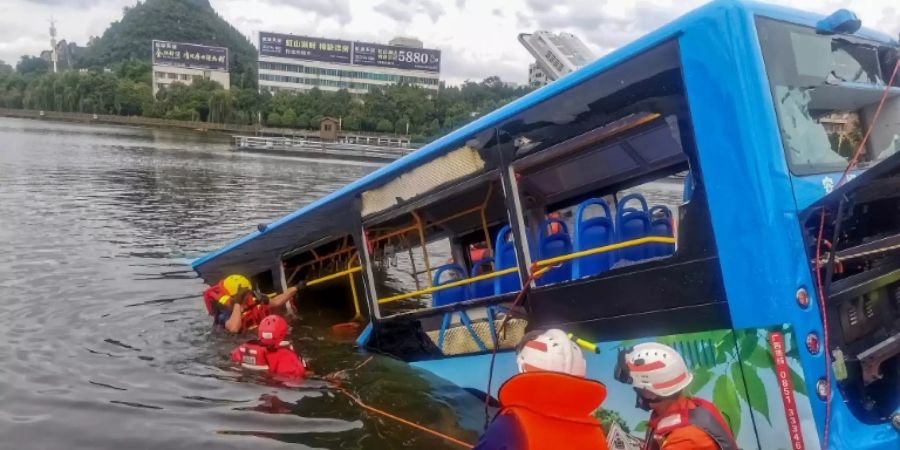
(327, 268)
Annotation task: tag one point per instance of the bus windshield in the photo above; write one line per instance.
(826, 89)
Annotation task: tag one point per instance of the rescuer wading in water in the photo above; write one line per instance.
(236, 306)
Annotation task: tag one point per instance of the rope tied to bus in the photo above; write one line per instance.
(535, 273)
(334, 380)
(820, 288)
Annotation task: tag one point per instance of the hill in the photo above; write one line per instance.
(192, 21)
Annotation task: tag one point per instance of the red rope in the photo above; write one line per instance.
(862, 143)
(535, 274)
(819, 287)
(821, 294)
(403, 421)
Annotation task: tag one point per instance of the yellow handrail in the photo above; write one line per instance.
(421, 228)
(452, 284)
(333, 276)
(605, 248)
(353, 291)
(541, 263)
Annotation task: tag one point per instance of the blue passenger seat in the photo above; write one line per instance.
(592, 233)
(632, 223)
(483, 288)
(661, 225)
(504, 258)
(553, 244)
(450, 295)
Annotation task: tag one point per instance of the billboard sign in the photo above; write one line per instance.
(366, 54)
(181, 54)
(347, 52)
(302, 47)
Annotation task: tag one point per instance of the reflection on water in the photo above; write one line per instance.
(104, 342)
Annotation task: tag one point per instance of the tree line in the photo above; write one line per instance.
(125, 89)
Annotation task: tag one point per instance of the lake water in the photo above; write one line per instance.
(104, 341)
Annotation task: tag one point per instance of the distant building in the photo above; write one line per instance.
(403, 41)
(618, 439)
(299, 63)
(555, 54)
(180, 62)
(329, 128)
(536, 76)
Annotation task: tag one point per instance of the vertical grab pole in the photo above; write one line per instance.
(412, 260)
(514, 207)
(421, 229)
(484, 225)
(365, 260)
(352, 277)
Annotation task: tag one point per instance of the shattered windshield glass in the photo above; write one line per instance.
(826, 89)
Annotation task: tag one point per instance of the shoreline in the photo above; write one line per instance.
(105, 119)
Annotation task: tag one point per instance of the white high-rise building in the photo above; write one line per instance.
(555, 54)
(536, 76)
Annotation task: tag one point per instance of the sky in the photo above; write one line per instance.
(478, 38)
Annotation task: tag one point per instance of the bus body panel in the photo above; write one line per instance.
(756, 218)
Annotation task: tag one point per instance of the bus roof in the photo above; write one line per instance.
(333, 215)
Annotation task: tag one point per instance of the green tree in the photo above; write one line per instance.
(131, 97)
(384, 126)
(5, 68)
(30, 65)
(289, 118)
(608, 417)
(221, 106)
(273, 119)
(135, 70)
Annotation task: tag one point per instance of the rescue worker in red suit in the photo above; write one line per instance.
(270, 351)
(549, 404)
(659, 376)
(234, 304)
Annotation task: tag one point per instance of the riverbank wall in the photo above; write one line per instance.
(228, 128)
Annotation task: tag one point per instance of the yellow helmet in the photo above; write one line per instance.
(233, 283)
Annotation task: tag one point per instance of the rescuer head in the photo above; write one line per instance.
(272, 330)
(550, 351)
(656, 371)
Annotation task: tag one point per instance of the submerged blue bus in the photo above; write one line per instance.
(687, 188)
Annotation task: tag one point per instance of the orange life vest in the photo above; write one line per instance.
(690, 415)
(253, 315)
(212, 295)
(253, 311)
(555, 410)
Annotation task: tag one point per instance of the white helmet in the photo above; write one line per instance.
(657, 368)
(551, 351)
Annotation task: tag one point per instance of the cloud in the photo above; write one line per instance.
(460, 65)
(406, 10)
(337, 9)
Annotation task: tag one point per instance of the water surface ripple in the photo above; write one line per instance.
(104, 342)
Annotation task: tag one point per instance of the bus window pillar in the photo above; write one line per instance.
(368, 277)
(279, 280)
(514, 207)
